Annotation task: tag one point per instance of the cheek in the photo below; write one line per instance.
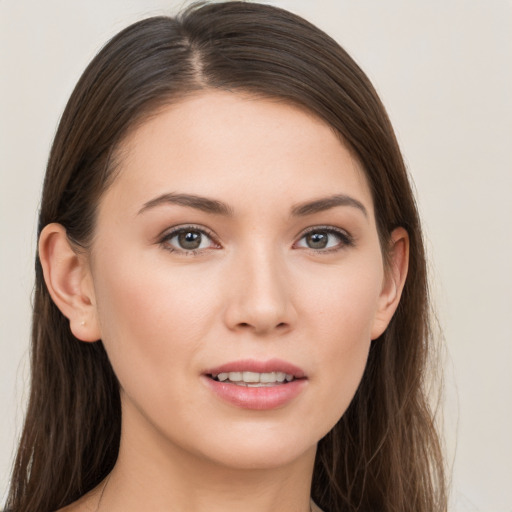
(342, 316)
(343, 307)
(150, 318)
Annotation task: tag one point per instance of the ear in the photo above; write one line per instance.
(68, 279)
(394, 280)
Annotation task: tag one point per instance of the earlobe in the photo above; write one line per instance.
(69, 282)
(394, 281)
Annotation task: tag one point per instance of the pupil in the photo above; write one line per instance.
(189, 239)
(317, 240)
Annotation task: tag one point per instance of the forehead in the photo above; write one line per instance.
(237, 146)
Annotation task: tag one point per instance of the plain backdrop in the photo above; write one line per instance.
(443, 70)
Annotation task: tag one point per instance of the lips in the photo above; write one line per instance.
(257, 385)
(251, 365)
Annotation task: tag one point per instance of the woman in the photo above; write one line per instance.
(231, 304)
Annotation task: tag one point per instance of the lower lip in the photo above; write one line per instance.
(257, 398)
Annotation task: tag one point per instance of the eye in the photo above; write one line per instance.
(188, 239)
(325, 239)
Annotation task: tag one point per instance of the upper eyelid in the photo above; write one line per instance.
(321, 227)
(183, 227)
(331, 229)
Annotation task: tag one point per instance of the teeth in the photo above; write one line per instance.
(254, 379)
(268, 377)
(247, 377)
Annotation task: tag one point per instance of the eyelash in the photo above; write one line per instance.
(345, 239)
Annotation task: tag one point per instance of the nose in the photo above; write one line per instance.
(260, 295)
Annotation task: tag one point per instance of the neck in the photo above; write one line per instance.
(152, 473)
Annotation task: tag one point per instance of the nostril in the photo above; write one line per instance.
(246, 325)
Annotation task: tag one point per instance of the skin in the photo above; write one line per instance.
(255, 289)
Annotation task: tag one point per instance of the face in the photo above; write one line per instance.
(237, 247)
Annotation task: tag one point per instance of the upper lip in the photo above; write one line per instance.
(252, 365)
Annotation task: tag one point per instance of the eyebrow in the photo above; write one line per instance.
(198, 202)
(214, 206)
(326, 203)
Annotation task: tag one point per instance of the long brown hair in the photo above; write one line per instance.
(384, 453)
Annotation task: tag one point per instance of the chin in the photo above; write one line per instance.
(259, 448)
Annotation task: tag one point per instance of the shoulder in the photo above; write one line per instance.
(315, 507)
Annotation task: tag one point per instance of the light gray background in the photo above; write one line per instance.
(443, 69)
